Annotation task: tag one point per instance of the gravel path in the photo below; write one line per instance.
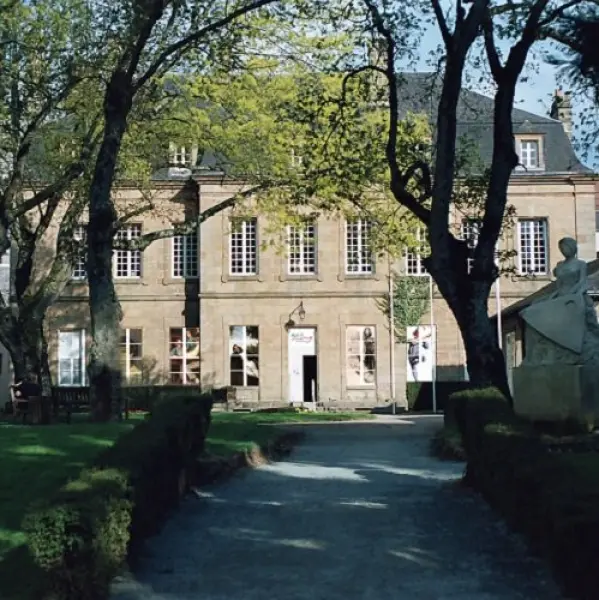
(359, 511)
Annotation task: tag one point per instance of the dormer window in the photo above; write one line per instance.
(530, 153)
(183, 156)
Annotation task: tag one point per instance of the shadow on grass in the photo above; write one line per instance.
(36, 462)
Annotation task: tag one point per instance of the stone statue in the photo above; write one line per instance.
(562, 327)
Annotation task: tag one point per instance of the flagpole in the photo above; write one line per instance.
(434, 343)
(392, 338)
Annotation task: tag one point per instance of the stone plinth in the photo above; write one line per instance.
(556, 392)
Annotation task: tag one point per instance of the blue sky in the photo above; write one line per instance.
(534, 93)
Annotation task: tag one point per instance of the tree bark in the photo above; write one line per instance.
(105, 310)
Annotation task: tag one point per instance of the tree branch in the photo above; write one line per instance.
(491, 48)
(442, 23)
(197, 36)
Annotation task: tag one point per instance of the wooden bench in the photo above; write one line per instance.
(70, 399)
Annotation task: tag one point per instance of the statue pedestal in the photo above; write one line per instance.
(556, 392)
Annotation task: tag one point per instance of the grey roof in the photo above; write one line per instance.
(419, 93)
(592, 282)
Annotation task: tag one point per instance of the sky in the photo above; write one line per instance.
(534, 92)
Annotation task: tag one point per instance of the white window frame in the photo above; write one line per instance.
(184, 254)
(5, 258)
(181, 156)
(525, 156)
(183, 358)
(245, 370)
(83, 358)
(79, 271)
(362, 355)
(358, 233)
(132, 257)
(302, 251)
(413, 260)
(127, 344)
(531, 228)
(248, 247)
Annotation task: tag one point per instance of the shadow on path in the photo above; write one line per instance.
(360, 511)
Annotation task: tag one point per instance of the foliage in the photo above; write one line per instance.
(550, 496)
(82, 537)
(446, 444)
(37, 461)
(411, 300)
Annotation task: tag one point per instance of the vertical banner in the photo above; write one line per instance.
(421, 353)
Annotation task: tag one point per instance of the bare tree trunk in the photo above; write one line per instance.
(105, 310)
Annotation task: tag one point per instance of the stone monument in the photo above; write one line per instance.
(559, 376)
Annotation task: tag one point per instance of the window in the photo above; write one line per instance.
(71, 357)
(414, 264)
(530, 154)
(243, 247)
(184, 354)
(361, 355)
(128, 262)
(469, 232)
(532, 247)
(131, 356)
(185, 255)
(181, 156)
(301, 249)
(358, 252)
(244, 355)
(79, 270)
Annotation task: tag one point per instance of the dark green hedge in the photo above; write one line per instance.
(83, 536)
(420, 395)
(553, 498)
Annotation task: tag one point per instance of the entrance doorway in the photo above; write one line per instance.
(303, 365)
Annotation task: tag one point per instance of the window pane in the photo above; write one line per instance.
(244, 355)
(360, 355)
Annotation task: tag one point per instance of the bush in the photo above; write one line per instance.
(83, 537)
(553, 498)
(419, 396)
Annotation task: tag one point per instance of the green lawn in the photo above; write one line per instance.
(35, 462)
(236, 432)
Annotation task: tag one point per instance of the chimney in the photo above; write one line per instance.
(561, 109)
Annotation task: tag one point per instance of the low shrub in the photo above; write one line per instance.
(447, 444)
(419, 396)
(551, 497)
(82, 538)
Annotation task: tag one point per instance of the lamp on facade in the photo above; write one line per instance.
(300, 310)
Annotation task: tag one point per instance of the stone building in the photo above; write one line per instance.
(217, 309)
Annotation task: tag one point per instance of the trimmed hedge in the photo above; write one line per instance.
(553, 498)
(84, 535)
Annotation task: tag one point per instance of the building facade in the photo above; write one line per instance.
(307, 323)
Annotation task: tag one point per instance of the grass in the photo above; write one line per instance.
(231, 433)
(35, 462)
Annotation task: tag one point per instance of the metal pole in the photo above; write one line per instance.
(434, 342)
(498, 303)
(392, 337)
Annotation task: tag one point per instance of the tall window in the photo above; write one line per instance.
(244, 352)
(414, 264)
(71, 357)
(184, 354)
(5, 258)
(185, 255)
(360, 352)
(529, 154)
(243, 251)
(128, 262)
(532, 247)
(131, 355)
(301, 249)
(79, 270)
(358, 252)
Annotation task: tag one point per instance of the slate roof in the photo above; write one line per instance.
(419, 93)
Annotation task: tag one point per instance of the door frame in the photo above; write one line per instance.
(316, 353)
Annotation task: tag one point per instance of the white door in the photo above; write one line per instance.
(301, 342)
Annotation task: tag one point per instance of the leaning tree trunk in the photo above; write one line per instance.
(105, 310)
(28, 350)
